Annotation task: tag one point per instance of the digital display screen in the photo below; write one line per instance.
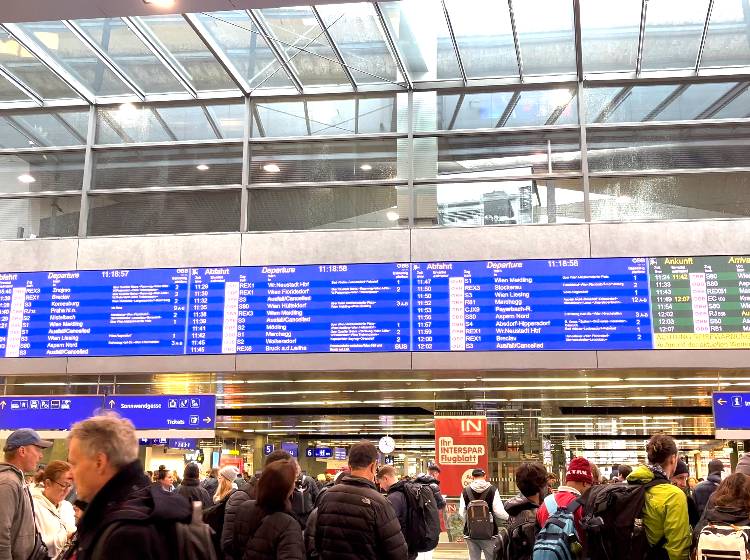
(563, 304)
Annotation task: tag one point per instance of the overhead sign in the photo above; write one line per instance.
(268, 449)
(460, 447)
(182, 443)
(323, 452)
(291, 447)
(191, 413)
(732, 415)
(339, 453)
(47, 412)
(310, 452)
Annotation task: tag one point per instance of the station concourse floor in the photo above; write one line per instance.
(450, 551)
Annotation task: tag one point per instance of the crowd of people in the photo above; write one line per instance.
(101, 504)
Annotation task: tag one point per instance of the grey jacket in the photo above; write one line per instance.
(17, 529)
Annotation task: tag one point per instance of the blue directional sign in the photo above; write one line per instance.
(339, 453)
(46, 412)
(291, 447)
(166, 412)
(732, 414)
(268, 449)
(188, 444)
(323, 452)
(310, 452)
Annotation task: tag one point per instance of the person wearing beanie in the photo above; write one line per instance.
(743, 467)
(680, 479)
(578, 479)
(191, 488)
(705, 489)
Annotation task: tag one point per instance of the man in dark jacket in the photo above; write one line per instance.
(703, 490)
(531, 481)
(394, 489)
(126, 518)
(191, 488)
(353, 521)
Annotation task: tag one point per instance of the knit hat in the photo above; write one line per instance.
(715, 466)
(579, 470)
(229, 472)
(744, 465)
(681, 468)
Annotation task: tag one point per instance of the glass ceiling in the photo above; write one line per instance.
(377, 46)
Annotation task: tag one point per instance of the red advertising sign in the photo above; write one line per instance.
(460, 447)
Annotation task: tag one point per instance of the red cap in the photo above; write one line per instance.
(579, 470)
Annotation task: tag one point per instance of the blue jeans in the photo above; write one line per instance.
(476, 547)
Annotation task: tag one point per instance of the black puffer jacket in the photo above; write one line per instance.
(233, 543)
(434, 484)
(522, 527)
(355, 522)
(193, 491)
(146, 518)
(273, 537)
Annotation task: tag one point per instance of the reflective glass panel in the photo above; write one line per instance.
(328, 208)
(37, 171)
(186, 122)
(9, 92)
(547, 41)
(68, 128)
(301, 38)
(632, 104)
(421, 34)
(526, 201)
(245, 46)
(506, 155)
(670, 197)
(738, 108)
(168, 167)
(130, 54)
(356, 31)
(485, 37)
(693, 101)
(728, 39)
(128, 123)
(25, 66)
(471, 110)
(668, 148)
(544, 107)
(609, 34)
(673, 33)
(26, 218)
(170, 212)
(230, 119)
(59, 43)
(11, 135)
(324, 161)
(181, 42)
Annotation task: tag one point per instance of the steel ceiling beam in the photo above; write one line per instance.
(392, 47)
(502, 121)
(66, 125)
(334, 47)
(703, 36)
(212, 122)
(280, 57)
(163, 124)
(456, 50)
(52, 65)
(613, 104)
(161, 53)
(104, 58)
(724, 100)
(20, 85)
(666, 102)
(578, 38)
(516, 40)
(456, 111)
(217, 52)
(559, 111)
(24, 131)
(641, 38)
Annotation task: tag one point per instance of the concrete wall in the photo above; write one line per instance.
(716, 237)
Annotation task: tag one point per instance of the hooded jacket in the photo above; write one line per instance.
(55, 523)
(434, 485)
(353, 521)
(17, 531)
(665, 515)
(703, 491)
(145, 516)
(722, 515)
(478, 486)
(522, 514)
(194, 492)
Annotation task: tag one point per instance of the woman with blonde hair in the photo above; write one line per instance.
(55, 518)
(227, 476)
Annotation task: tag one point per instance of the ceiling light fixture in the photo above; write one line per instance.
(392, 216)
(160, 3)
(202, 167)
(366, 167)
(26, 178)
(271, 168)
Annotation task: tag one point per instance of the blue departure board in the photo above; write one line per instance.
(46, 412)
(561, 304)
(573, 304)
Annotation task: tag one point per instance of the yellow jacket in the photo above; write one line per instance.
(665, 515)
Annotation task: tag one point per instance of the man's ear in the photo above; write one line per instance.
(101, 461)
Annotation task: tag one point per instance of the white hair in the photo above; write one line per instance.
(108, 434)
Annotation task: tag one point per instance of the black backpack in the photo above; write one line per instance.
(422, 531)
(516, 541)
(303, 499)
(480, 520)
(613, 521)
(213, 516)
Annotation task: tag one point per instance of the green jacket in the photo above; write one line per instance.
(665, 515)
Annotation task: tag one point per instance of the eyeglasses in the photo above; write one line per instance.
(63, 486)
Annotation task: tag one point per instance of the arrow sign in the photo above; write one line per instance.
(111, 403)
(2, 405)
(207, 419)
(722, 402)
(164, 412)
